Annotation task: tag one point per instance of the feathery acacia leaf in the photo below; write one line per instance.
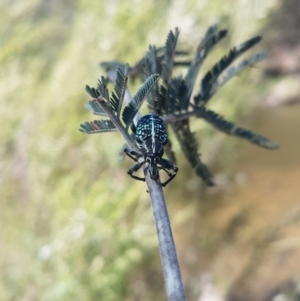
(96, 108)
(189, 147)
(175, 87)
(230, 128)
(94, 93)
(212, 37)
(235, 70)
(166, 74)
(102, 88)
(163, 95)
(97, 126)
(169, 55)
(211, 76)
(132, 108)
(120, 87)
(149, 68)
(149, 62)
(168, 150)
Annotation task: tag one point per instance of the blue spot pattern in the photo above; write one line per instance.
(151, 126)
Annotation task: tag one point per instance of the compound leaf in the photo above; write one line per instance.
(132, 108)
(96, 108)
(175, 87)
(120, 87)
(102, 88)
(231, 129)
(97, 126)
(211, 76)
(212, 37)
(235, 70)
(149, 68)
(168, 61)
(189, 147)
(94, 93)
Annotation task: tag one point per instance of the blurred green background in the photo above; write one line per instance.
(75, 226)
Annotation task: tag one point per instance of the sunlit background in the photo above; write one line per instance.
(75, 226)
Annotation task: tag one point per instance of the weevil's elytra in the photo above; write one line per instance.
(151, 126)
(151, 136)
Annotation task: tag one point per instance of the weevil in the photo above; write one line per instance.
(151, 136)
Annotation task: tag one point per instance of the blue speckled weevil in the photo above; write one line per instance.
(151, 136)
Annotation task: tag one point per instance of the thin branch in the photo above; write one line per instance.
(173, 282)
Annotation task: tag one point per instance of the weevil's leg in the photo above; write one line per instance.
(131, 153)
(166, 171)
(167, 165)
(170, 177)
(135, 168)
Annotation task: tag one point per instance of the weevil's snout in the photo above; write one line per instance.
(153, 170)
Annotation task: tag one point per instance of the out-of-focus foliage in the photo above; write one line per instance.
(74, 226)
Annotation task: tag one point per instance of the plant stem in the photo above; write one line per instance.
(173, 282)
